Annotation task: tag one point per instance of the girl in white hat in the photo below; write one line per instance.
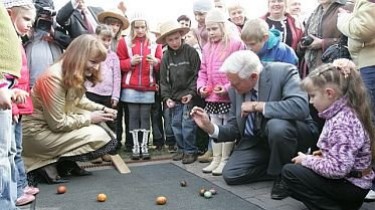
(212, 85)
(139, 59)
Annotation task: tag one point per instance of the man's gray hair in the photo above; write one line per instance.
(242, 63)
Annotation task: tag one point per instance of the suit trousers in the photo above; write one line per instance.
(262, 158)
(318, 192)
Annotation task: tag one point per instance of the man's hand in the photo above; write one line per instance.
(202, 120)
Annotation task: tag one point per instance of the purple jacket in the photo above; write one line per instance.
(111, 78)
(213, 56)
(345, 146)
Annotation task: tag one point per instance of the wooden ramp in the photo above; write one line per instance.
(120, 165)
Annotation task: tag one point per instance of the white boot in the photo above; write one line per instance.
(135, 150)
(227, 149)
(216, 153)
(144, 145)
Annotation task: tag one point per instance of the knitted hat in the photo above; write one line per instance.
(114, 13)
(219, 3)
(203, 5)
(10, 46)
(215, 16)
(138, 16)
(170, 27)
(16, 3)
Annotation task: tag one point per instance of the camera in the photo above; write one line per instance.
(306, 40)
(44, 20)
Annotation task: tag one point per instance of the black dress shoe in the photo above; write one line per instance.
(42, 173)
(279, 189)
(80, 172)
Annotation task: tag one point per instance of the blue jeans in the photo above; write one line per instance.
(169, 136)
(368, 77)
(8, 183)
(21, 174)
(184, 128)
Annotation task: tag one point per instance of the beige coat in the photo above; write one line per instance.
(359, 27)
(59, 126)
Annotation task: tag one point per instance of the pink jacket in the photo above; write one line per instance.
(24, 84)
(213, 56)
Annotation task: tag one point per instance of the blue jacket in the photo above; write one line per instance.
(275, 50)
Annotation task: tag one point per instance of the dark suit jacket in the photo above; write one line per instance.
(71, 19)
(279, 87)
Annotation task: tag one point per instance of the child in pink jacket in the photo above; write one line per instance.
(212, 84)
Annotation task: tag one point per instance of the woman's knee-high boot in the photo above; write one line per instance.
(216, 152)
(226, 150)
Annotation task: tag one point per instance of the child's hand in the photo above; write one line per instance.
(151, 60)
(136, 59)
(170, 103)
(19, 96)
(205, 91)
(114, 103)
(317, 153)
(300, 157)
(186, 99)
(15, 118)
(220, 90)
(5, 99)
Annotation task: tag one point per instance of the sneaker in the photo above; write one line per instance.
(178, 156)
(159, 147)
(206, 157)
(24, 199)
(107, 158)
(370, 196)
(279, 189)
(172, 149)
(30, 190)
(189, 158)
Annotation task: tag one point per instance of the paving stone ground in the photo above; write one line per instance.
(256, 193)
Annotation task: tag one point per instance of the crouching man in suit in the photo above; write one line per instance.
(269, 117)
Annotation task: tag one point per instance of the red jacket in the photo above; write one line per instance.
(24, 84)
(294, 28)
(142, 76)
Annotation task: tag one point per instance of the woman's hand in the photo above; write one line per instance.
(101, 116)
(114, 103)
(5, 99)
(316, 44)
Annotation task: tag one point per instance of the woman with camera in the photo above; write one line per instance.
(320, 33)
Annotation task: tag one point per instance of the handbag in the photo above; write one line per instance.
(335, 51)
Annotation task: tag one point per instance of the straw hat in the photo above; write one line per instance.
(16, 3)
(114, 13)
(170, 27)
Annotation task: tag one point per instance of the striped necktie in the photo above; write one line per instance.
(249, 126)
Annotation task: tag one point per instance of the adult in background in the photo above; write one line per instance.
(269, 117)
(358, 27)
(77, 18)
(278, 18)
(64, 127)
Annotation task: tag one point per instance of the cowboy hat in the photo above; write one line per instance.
(114, 13)
(168, 28)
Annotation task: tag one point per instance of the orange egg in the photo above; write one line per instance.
(161, 200)
(61, 189)
(101, 197)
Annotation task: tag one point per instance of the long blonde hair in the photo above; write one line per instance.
(343, 73)
(74, 62)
